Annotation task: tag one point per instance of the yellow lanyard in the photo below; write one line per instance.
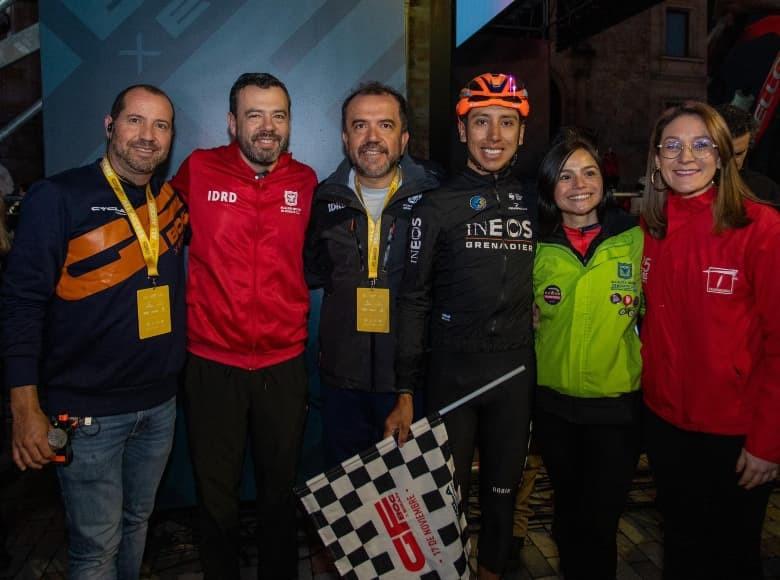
(375, 227)
(150, 246)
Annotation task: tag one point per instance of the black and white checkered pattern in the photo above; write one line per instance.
(343, 504)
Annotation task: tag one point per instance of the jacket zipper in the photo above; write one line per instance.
(504, 259)
(258, 191)
(358, 245)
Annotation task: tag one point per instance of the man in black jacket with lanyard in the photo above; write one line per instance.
(465, 307)
(355, 251)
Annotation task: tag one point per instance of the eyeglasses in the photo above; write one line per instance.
(700, 148)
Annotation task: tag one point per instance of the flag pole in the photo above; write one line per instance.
(483, 389)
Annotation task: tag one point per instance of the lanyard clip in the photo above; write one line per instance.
(153, 280)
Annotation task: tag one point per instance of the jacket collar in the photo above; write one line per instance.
(415, 180)
(473, 178)
(680, 209)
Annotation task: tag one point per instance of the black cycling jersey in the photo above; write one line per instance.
(467, 284)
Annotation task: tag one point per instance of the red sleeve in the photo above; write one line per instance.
(181, 181)
(763, 438)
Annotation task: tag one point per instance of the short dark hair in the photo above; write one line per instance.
(259, 80)
(565, 144)
(119, 102)
(739, 121)
(376, 88)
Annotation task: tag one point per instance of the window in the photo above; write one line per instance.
(676, 32)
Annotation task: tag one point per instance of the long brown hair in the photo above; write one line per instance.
(728, 210)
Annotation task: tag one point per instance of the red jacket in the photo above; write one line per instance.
(247, 301)
(711, 336)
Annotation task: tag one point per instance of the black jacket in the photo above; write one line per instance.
(467, 284)
(762, 186)
(335, 260)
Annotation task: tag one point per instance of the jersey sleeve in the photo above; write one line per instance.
(181, 181)
(316, 263)
(763, 438)
(29, 281)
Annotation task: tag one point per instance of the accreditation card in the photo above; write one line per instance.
(154, 311)
(373, 310)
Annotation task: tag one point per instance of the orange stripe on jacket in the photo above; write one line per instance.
(129, 259)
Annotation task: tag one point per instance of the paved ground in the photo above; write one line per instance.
(36, 543)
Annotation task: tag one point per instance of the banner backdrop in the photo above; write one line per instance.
(195, 49)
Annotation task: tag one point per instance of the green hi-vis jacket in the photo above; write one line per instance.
(586, 344)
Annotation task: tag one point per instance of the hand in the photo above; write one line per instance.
(30, 444)
(755, 471)
(400, 418)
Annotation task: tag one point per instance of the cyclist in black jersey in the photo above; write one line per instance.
(465, 305)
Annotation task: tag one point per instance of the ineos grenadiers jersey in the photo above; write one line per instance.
(467, 284)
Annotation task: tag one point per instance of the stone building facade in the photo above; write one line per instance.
(618, 81)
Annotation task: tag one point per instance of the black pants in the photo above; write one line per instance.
(225, 404)
(712, 527)
(353, 420)
(591, 468)
(497, 423)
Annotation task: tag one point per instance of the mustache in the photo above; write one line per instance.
(144, 143)
(266, 135)
(372, 146)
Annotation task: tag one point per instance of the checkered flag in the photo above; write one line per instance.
(393, 512)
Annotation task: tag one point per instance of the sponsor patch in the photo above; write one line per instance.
(410, 201)
(110, 209)
(625, 271)
(290, 203)
(645, 268)
(222, 196)
(721, 280)
(477, 202)
(335, 206)
(515, 200)
(552, 294)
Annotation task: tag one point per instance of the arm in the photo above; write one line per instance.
(414, 306)
(31, 275)
(30, 445)
(181, 181)
(759, 459)
(315, 256)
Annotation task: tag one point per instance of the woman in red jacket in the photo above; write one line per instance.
(711, 347)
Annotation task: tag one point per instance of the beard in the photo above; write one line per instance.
(261, 155)
(128, 156)
(368, 166)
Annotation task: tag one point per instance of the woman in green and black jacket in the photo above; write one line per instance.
(587, 292)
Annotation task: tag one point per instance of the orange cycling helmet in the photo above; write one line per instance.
(493, 89)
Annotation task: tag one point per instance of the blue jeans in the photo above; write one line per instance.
(109, 490)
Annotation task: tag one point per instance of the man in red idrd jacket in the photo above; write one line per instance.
(247, 306)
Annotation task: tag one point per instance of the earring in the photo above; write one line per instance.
(653, 180)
